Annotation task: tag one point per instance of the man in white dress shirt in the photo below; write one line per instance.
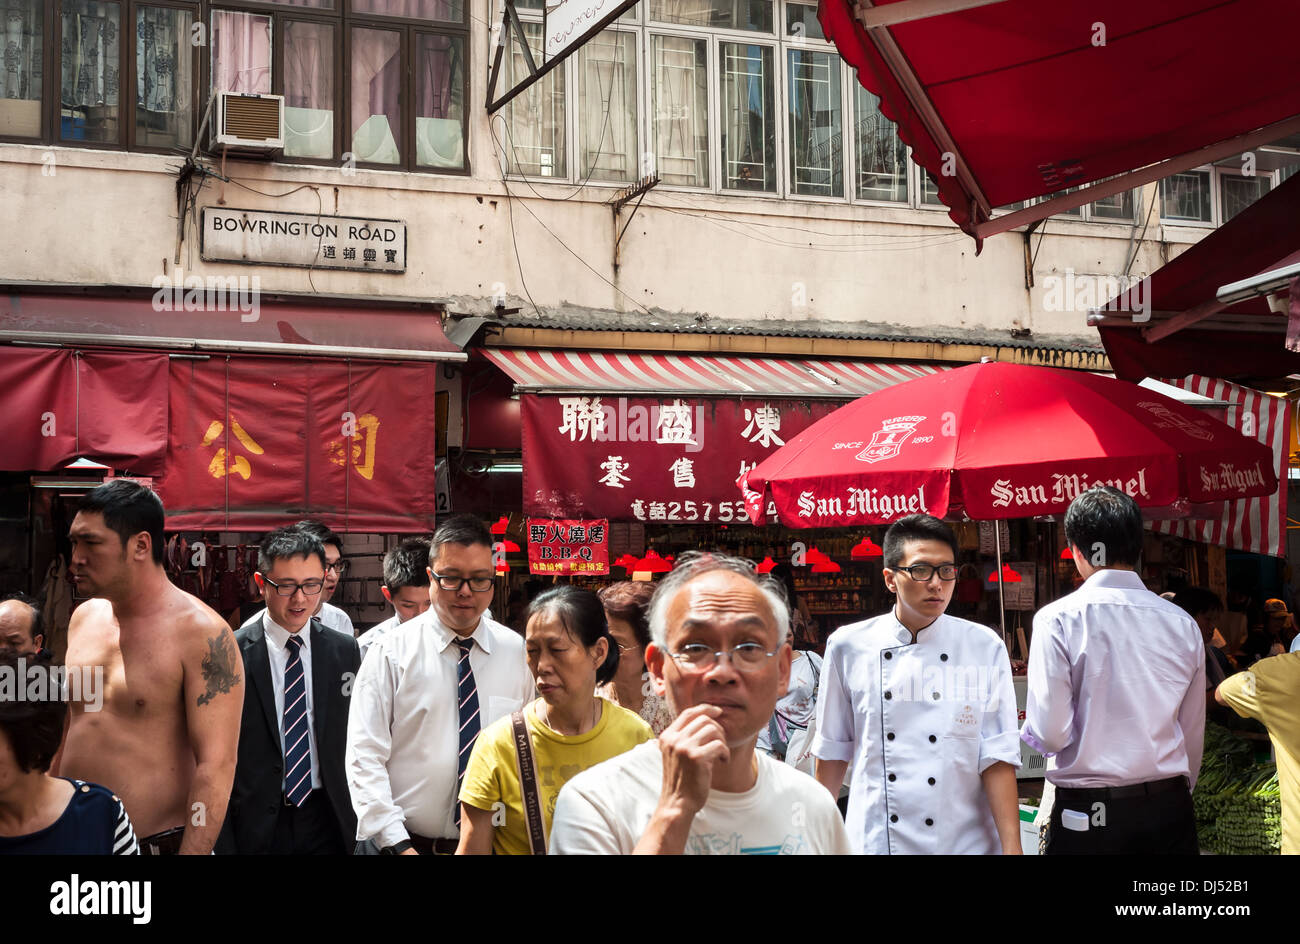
(922, 706)
(425, 690)
(406, 586)
(330, 616)
(1116, 695)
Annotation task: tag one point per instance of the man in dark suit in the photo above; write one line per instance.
(290, 794)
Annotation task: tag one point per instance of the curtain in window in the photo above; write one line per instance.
(241, 60)
(447, 10)
(607, 93)
(680, 110)
(816, 141)
(748, 124)
(439, 101)
(308, 89)
(164, 77)
(20, 49)
(376, 83)
(91, 40)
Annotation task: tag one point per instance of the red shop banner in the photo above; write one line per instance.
(568, 546)
(651, 459)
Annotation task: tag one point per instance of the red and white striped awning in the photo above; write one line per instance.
(562, 371)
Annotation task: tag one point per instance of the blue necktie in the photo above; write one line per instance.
(467, 699)
(297, 746)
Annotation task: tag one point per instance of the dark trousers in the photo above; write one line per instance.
(1153, 818)
(310, 829)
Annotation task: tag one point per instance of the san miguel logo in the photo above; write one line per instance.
(888, 440)
(1168, 419)
(1063, 489)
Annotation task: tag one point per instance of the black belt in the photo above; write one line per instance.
(167, 842)
(1150, 788)
(426, 846)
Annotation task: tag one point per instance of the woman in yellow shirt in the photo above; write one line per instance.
(570, 652)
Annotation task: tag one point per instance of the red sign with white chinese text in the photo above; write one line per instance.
(651, 459)
(568, 546)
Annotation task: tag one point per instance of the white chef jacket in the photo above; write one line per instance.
(918, 722)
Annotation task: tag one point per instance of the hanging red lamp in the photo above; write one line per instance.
(652, 563)
(866, 548)
(501, 525)
(1067, 554)
(827, 566)
(814, 556)
(765, 565)
(1008, 575)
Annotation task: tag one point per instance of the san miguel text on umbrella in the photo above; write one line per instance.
(1065, 488)
(1230, 477)
(863, 501)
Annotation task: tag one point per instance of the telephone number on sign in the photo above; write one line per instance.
(693, 511)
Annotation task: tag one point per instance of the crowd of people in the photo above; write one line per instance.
(668, 718)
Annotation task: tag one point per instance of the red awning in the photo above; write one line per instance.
(699, 375)
(320, 327)
(60, 405)
(256, 442)
(1019, 99)
(1189, 330)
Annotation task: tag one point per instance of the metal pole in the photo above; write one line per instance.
(1002, 601)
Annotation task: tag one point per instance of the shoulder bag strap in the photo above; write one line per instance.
(528, 784)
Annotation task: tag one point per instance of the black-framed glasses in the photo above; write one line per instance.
(311, 588)
(477, 584)
(339, 567)
(923, 572)
(697, 657)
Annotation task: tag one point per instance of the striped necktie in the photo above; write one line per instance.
(297, 746)
(467, 699)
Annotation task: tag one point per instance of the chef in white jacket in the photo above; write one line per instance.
(922, 706)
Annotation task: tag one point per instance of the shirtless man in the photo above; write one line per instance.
(166, 738)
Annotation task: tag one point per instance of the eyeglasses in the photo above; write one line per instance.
(477, 584)
(622, 648)
(697, 657)
(339, 567)
(311, 588)
(923, 572)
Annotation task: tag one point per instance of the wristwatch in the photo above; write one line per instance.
(396, 848)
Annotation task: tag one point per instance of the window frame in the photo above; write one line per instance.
(1216, 174)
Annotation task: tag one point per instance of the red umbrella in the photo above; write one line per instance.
(1003, 441)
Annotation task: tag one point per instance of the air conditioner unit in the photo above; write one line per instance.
(249, 125)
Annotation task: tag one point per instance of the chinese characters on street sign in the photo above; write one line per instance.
(568, 546)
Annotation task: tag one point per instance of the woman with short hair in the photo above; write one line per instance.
(627, 605)
(570, 727)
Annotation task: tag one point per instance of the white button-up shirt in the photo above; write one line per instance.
(919, 723)
(376, 632)
(1116, 686)
(330, 616)
(277, 651)
(404, 723)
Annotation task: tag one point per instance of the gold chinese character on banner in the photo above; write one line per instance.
(220, 464)
(362, 453)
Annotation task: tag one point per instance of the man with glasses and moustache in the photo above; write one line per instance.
(720, 654)
(921, 705)
(425, 690)
(290, 793)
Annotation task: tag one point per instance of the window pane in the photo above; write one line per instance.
(801, 20)
(929, 192)
(1117, 207)
(376, 84)
(607, 93)
(1236, 193)
(1186, 196)
(748, 122)
(882, 157)
(318, 4)
(164, 78)
(1077, 212)
(22, 72)
(723, 14)
(439, 101)
(816, 133)
(447, 10)
(535, 119)
(241, 52)
(91, 58)
(681, 110)
(308, 90)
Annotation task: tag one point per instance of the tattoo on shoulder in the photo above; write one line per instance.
(218, 666)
